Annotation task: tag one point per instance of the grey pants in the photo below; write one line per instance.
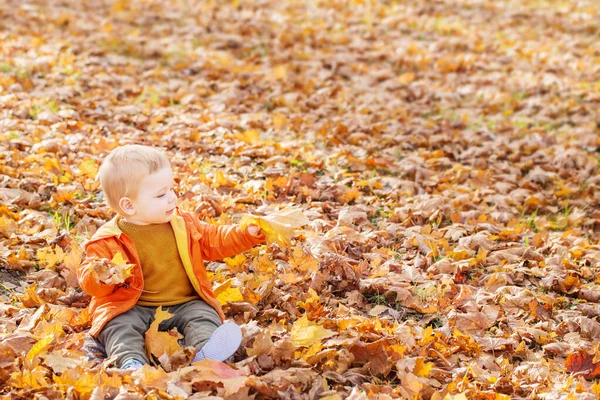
(124, 335)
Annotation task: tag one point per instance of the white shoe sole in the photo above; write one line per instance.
(223, 343)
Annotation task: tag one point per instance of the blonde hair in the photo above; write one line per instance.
(124, 168)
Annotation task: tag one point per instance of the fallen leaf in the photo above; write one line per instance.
(159, 343)
(304, 332)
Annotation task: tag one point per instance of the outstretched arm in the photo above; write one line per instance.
(218, 242)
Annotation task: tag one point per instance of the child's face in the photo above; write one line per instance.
(156, 199)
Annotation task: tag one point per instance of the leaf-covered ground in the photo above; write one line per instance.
(445, 152)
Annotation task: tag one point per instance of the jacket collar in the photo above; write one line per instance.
(111, 228)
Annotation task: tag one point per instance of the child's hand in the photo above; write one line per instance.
(277, 227)
(255, 231)
(113, 271)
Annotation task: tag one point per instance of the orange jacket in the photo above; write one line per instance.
(196, 241)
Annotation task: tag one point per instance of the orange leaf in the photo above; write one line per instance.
(581, 361)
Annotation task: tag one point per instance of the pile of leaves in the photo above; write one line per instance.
(445, 154)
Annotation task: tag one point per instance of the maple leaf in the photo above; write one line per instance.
(30, 298)
(88, 167)
(50, 257)
(305, 333)
(225, 293)
(236, 264)
(277, 227)
(262, 345)
(583, 363)
(422, 368)
(39, 347)
(70, 263)
(303, 261)
(8, 226)
(159, 343)
(31, 379)
(215, 371)
(115, 271)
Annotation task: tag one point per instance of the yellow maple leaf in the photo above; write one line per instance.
(398, 349)
(50, 257)
(89, 168)
(50, 329)
(236, 264)
(40, 346)
(279, 121)
(303, 261)
(159, 343)
(596, 388)
(8, 226)
(280, 71)
(30, 379)
(277, 227)
(221, 180)
(82, 383)
(250, 136)
(305, 333)
(422, 368)
(225, 293)
(30, 298)
(407, 77)
(428, 336)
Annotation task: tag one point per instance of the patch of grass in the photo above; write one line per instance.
(63, 221)
(436, 322)
(531, 221)
(298, 164)
(53, 106)
(34, 111)
(22, 74)
(269, 106)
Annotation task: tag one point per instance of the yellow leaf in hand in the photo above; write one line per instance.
(305, 333)
(277, 227)
(114, 272)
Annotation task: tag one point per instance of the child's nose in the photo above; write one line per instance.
(173, 196)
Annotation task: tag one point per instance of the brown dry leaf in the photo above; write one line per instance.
(445, 154)
(217, 372)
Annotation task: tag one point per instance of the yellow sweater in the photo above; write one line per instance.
(165, 280)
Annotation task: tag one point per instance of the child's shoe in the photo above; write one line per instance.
(132, 364)
(222, 344)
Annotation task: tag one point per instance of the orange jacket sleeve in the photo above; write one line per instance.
(218, 242)
(85, 275)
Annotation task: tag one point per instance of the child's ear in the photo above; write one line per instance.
(127, 206)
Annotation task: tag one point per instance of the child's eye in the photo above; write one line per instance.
(161, 195)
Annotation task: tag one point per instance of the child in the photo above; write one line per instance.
(167, 247)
